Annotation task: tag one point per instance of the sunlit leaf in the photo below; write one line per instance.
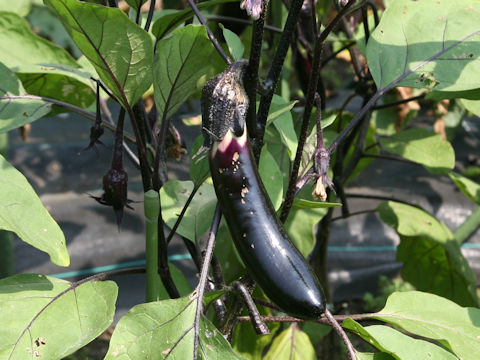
(20, 47)
(469, 188)
(22, 212)
(428, 247)
(292, 343)
(158, 329)
(436, 318)
(49, 318)
(398, 345)
(423, 147)
(15, 109)
(438, 39)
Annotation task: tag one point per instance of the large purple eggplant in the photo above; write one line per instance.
(262, 242)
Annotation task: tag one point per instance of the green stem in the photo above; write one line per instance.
(468, 227)
(152, 209)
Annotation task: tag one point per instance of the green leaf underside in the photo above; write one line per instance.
(436, 318)
(120, 51)
(291, 343)
(156, 329)
(17, 112)
(178, 67)
(198, 217)
(22, 212)
(469, 188)
(45, 317)
(432, 258)
(423, 147)
(398, 345)
(410, 32)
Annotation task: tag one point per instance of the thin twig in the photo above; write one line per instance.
(356, 317)
(257, 322)
(204, 275)
(209, 32)
(336, 326)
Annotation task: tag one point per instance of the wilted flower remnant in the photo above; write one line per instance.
(253, 7)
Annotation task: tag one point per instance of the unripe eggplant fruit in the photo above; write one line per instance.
(262, 242)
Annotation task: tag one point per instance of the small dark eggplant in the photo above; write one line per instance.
(262, 242)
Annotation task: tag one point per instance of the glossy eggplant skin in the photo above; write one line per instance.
(262, 242)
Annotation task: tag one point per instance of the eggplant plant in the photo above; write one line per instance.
(275, 157)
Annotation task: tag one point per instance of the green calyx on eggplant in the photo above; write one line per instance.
(262, 242)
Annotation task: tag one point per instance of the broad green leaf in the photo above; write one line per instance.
(467, 94)
(120, 51)
(300, 227)
(22, 212)
(49, 318)
(170, 20)
(423, 147)
(179, 66)
(433, 317)
(291, 344)
(373, 356)
(235, 45)
(398, 345)
(436, 41)
(20, 47)
(157, 329)
(432, 258)
(386, 121)
(469, 188)
(199, 168)
(271, 178)
(472, 105)
(198, 217)
(15, 108)
(20, 7)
